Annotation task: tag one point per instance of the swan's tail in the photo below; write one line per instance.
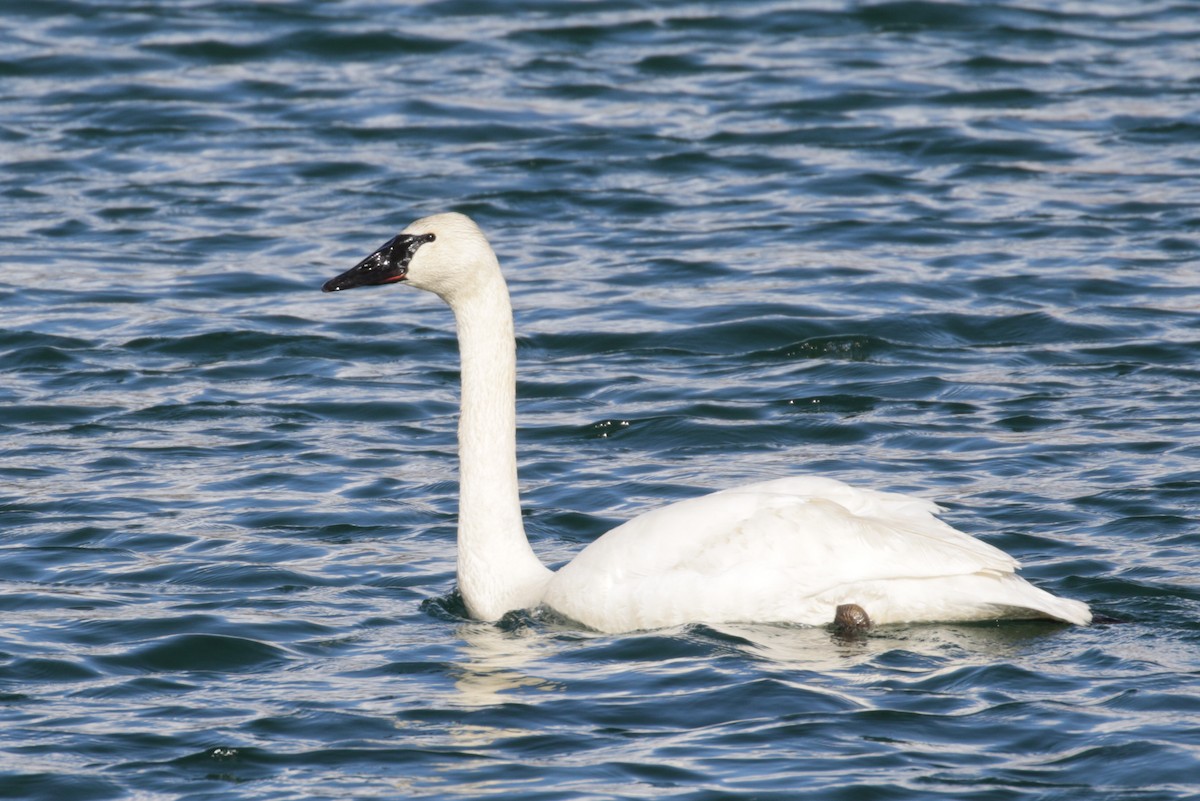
(976, 596)
(1067, 610)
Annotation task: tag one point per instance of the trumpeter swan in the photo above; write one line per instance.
(789, 550)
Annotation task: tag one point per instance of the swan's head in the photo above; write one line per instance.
(444, 254)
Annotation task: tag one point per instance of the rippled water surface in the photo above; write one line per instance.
(939, 247)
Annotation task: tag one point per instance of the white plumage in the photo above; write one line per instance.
(789, 550)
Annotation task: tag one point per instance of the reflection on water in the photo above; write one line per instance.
(494, 662)
(497, 665)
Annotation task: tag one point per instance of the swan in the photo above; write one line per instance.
(799, 550)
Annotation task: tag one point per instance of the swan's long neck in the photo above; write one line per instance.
(497, 570)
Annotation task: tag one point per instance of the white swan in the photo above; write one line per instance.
(790, 550)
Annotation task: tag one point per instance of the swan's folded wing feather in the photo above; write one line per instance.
(890, 514)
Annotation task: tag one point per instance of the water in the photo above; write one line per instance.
(937, 247)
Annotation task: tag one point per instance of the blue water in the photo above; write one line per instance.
(947, 248)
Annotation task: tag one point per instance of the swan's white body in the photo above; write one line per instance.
(790, 550)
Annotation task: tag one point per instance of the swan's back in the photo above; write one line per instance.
(792, 550)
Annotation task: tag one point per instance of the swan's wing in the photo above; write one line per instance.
(879, 522)
(781, 550)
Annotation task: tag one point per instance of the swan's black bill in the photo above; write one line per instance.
(387, 265)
